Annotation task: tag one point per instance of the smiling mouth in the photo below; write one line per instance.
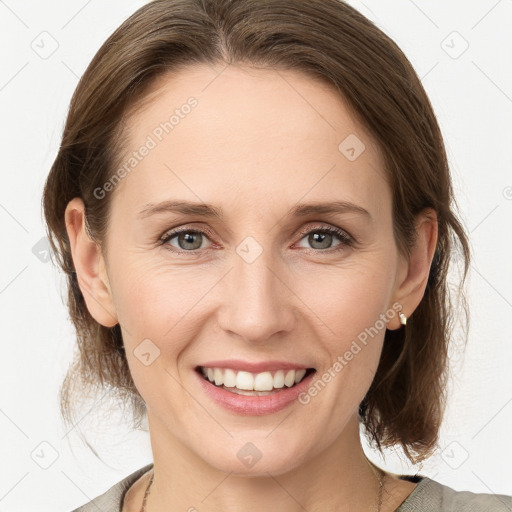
(253, 384)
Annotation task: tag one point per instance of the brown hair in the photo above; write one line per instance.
(326, 39)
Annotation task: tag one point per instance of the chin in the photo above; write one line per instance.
(256, 458)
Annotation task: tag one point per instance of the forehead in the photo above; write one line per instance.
(249, 136)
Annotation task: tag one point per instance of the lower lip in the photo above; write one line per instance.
(254, 405)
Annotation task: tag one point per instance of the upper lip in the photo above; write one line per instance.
(264, 366)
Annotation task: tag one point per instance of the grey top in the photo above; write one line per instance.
(427, 496)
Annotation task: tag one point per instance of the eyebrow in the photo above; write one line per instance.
(208, 210)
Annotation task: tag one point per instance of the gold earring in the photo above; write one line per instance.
(403, 318)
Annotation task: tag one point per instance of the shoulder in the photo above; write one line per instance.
(432, 496)
(112, 499)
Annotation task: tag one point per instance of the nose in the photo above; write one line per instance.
(260, 304)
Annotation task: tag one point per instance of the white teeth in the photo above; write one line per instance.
(217, 375)
(248, 381)
(229, 378)
(299, 374)
(264, 382)
(289, 380)
(279, 379)
(244, 380)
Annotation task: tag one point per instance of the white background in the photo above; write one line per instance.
(472, 97)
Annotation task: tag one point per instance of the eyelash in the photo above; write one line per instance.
(345, 239)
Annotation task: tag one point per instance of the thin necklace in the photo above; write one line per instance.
(380, 478)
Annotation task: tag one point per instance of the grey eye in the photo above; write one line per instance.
(187, 240)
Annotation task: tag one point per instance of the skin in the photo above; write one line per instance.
(269, 143)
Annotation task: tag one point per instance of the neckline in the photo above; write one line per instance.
(420, 480)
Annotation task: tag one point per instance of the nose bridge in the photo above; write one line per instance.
(258, 305)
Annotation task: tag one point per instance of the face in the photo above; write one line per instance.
(262, 280)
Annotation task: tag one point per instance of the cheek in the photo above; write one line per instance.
(348, 299)
(154, 304)
(350, 304)
(159, 301)
(146, 303)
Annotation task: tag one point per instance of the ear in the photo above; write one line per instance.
(89, 265)
(412, 275)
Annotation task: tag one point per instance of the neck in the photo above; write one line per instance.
(339, 478)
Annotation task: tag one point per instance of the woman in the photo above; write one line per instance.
(253, 207)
